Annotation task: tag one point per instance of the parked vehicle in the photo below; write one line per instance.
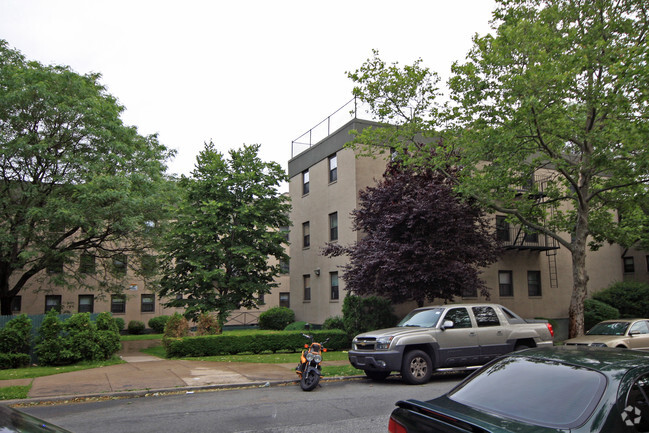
(309, 368)
(544, 390)
(14, 421)
(626, 333)
(460, 336)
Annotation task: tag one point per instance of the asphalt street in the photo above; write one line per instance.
(358, 406)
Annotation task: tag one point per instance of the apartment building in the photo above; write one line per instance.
(136, 301)
(533, 277)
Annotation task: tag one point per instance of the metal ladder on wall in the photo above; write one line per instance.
(551, 254)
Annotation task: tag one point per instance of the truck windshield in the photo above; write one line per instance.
(422, 318)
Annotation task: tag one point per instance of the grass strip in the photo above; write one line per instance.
(14, 392)
(30, 372)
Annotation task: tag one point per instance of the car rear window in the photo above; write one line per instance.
(541, 392)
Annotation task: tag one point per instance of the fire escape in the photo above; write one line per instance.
(516, 237)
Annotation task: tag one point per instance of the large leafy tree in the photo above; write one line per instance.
(559, 91)
(74, 180)
(420, 241)
(224, 248)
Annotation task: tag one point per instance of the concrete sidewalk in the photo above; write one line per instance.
(142, 375)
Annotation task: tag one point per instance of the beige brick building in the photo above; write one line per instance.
(533, 278)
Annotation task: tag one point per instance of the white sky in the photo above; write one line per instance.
(242, 71)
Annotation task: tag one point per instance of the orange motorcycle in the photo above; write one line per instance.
(309, 368)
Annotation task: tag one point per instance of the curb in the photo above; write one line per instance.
(87, 398)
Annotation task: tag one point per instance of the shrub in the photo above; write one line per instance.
(52, 348)
(207, 325)
(230, 344)
(295, 326)
(276, 318)
(120, 323)
(177, 327)
(16, 336)
(106, 322)
(367, 314)
(335, 322)
(135, 327)
(14, 360)
(595, 311)
(158, 324)
(76, 339)
(631, 298)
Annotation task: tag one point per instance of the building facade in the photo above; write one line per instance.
(137, 300)
(533, 277)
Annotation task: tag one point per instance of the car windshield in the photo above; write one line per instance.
(608, 328)
(526, 389)
(422, 318)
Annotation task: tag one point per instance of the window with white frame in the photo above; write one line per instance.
(333, 168)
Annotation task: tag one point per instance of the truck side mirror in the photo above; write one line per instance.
(447, 324)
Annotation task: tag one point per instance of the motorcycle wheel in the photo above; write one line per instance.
(309, 380)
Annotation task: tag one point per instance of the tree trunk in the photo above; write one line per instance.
(579, 276)
(5, 305)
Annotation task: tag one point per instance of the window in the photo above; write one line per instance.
(485, 316)
(285, 299)
(306, 235)
(459, 317)
(307, 287)
(333, 276)
(285, 231)
(119, 264)
(531, 238)
(639, 328)
(16, 303)
(53, 302)
(284, 267)
(149, 265)
(505, 284)
(147, 304)
(86, 304)
(629, 265)
(333, 226)
(333, 168)
(502, 229)
(118, 304)
(87, 263)
(305, 182)
(534, 283)
(470, 292)
(55, 266)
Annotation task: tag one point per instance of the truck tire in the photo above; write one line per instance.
(377, 375)
(416, 367)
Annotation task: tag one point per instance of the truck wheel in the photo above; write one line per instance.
(417, 367)
(377, 375)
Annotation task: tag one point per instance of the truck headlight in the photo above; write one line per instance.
(383, 343)
(599, 345)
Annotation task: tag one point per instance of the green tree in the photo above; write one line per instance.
(219, 249)
(552, 103)
(74, 180)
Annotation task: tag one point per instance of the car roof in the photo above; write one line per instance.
(603, 359)
(474, 304)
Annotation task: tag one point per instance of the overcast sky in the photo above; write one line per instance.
(236, 72)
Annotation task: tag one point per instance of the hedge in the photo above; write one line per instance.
(231, 344)
(14, 360)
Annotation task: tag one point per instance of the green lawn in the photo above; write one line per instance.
(30, 372)
(14, 392)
